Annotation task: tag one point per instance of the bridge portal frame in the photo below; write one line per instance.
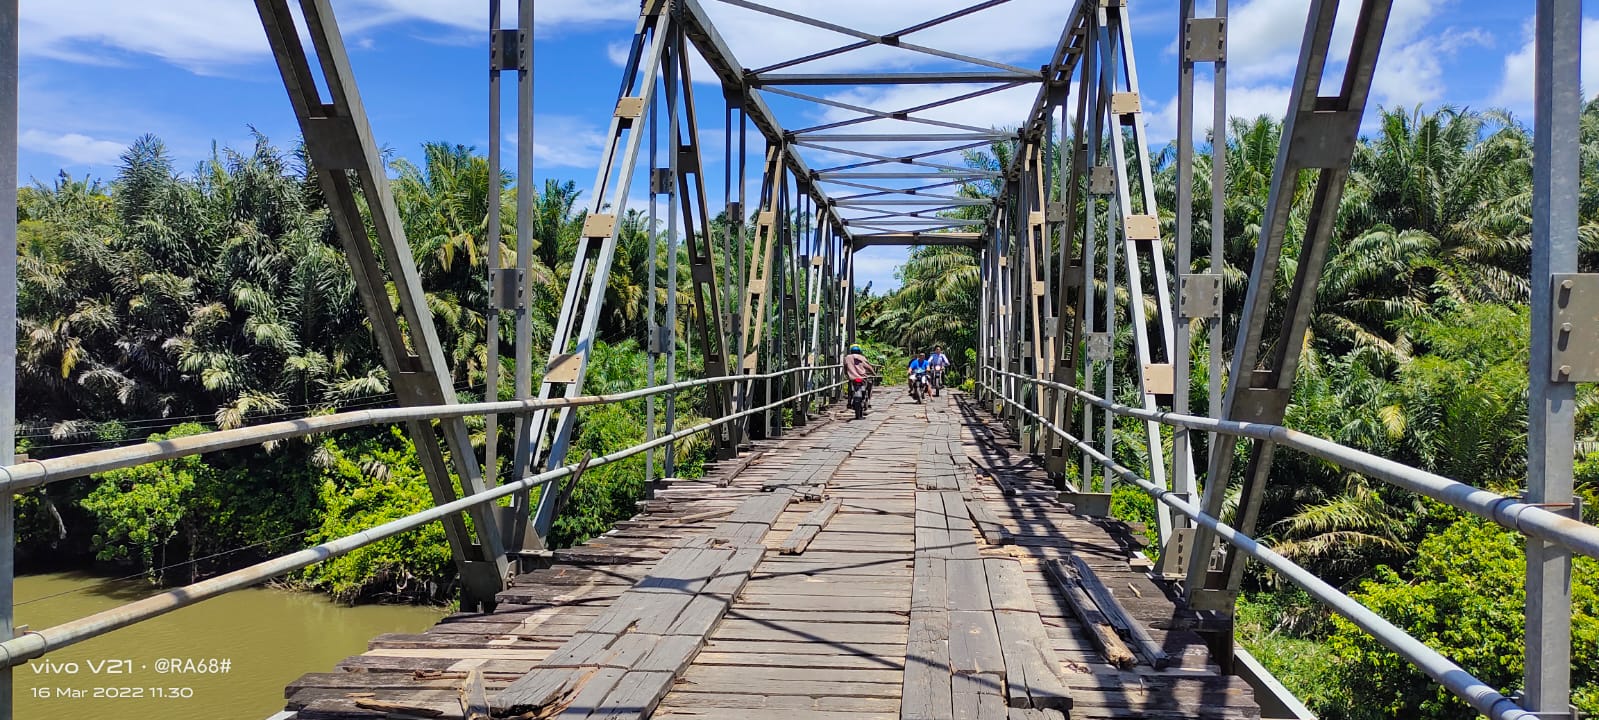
(1015, 261)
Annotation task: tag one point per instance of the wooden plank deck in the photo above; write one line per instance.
(920, 592)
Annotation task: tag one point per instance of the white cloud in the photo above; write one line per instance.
(73, 147)
(473, 14)
(1263, 42)
(619, 51)
(202, 35)
(189, 33)
(1242, 102)
(560, 141)
(1264, 36)
(1412, 74)
(1515, 86)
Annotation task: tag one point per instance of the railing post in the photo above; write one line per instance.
(8, 317)
(1551, 392)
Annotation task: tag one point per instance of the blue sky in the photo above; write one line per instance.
(98, 73)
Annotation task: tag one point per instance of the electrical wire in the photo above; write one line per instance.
(138, 424)
(163, 568)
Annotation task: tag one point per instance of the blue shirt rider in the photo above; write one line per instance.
(917, 365)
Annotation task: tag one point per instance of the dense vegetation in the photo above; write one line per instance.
(1417, 352)
(168, 303)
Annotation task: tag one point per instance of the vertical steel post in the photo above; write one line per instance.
(1088, 143)
(516, 530)
(576, 328)
(8, 318)
(1320, 133)
(1218, 221)
(1105, 86)
(1551, 393)
(652, 348)
(1198, 40)
(491, 238)
(1182, 473)
(668, 344)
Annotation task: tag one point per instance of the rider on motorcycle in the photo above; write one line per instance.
(859, 370)
(937, 364)
(916, 375)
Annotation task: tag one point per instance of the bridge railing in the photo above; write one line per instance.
(31, 644)
(1522, 517)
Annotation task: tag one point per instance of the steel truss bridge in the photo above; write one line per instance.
(1069, 241)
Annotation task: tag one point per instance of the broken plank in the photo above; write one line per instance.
(474, 698)
(809, 527)
(1099, 627)
(1119, 617)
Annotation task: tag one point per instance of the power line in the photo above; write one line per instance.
(151, 422)
(163, 568)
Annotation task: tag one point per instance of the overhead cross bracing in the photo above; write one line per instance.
(881, 116)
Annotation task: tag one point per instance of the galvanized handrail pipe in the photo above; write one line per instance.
(35, 643)
(1480, 695)
(35, 473)
(1511, 513)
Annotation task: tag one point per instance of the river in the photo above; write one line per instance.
(267, 637)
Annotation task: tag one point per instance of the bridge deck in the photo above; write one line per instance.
(900, 606)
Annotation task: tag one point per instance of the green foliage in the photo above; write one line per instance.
(1463, 594)
(225, 294)
(1286, 631)
(934, 306)
(373, 482)
(1131, 503)
(139, 510)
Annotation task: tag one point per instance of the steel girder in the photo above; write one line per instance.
(1319, 134)
(1551, 396)
(1137, 221)
(659, 52)
(339, 142)
(1076, 276)
(583, 301)
(694, 210)
(1199, 296)
(757, 298)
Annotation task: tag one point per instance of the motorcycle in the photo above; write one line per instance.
(938, 380)
(860, 396)
(920, 386)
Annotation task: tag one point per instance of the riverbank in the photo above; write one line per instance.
(265, 637)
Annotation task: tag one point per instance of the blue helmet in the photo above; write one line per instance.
(854, 348)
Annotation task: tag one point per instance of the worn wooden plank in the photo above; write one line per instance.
(968, 585)
(474, 697)
(977, 697)
(546, 687)
(974, 643)
(1031, 671)
(1099, 627)
(687, 696)
(992, 530)
(1118, 616)
(808, 528)
(925, 694)
(634, 696)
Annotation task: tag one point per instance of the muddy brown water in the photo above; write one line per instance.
(265, 638)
